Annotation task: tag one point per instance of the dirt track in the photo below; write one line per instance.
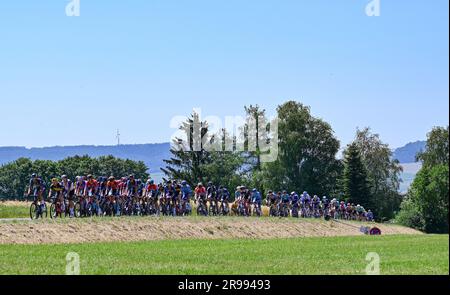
(144, 229)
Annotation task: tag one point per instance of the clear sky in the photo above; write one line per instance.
(134, 65)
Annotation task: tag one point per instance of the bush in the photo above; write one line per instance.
(410, 216)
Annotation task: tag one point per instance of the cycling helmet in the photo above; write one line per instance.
(89, 176)
(111, 178)
(200, 184)
(254, 190)
(33, 175)
(184, 182)
(270, 192)
(54, 179)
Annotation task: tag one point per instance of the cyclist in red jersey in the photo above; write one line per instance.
(113, 192)
(90, 191)
(200, 194)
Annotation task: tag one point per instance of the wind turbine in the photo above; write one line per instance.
(118, 137)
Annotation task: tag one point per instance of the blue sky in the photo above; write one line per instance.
(134, 65)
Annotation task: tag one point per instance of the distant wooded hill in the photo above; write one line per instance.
(151, 154)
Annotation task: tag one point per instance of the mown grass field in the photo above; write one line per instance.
(402, 254)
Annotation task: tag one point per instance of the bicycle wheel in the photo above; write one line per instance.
(77, 210)
(53, 211)
(89, 212)
(199, 211)
(34, 214)
(44, 211)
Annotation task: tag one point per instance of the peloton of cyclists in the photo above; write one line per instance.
(174, 198)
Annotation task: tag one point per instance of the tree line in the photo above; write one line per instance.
(14, 176)
(307, 160)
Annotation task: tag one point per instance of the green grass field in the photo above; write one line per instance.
(402, 254)
(11, 211)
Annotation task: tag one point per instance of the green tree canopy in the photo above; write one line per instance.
(426, 204)
(307, 153)
(437, 148)
(383, 173)
(189, 156)
(14, 176)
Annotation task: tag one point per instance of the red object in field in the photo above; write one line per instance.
(375, 231)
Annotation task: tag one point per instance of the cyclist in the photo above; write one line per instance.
(256, 200)
(151, 192)
(151, 188)
(285, 200)
(348, 211)
(112, 191)
(294, 200)
(246, 199)
(325, 203)
(102, 181)
(90, 190)
(360, 212)
(55, 194)
(369, 215)
(237, 193)
(186, 193)
(91, 186)
(140, 187)
(112, 187)
(169, 192)
(79, 186)
(36, 189)
(131, 187)
(69, 193)
(176, 198)
(214, 195)
(200, 196)
(316, 204)
(224, 199)
(307, 200)
(272, 202)
(342, 210)
(211, 191)
(123, 187)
